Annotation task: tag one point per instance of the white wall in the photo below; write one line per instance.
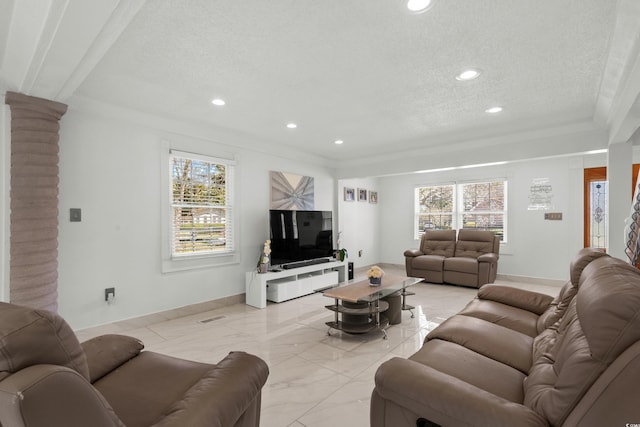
(111, 169)
(536, 247)
(359, 222)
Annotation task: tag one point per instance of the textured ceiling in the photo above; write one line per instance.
(367, 72)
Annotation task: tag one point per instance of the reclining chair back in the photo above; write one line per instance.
(438, 242)
(588, 373)
(473, 243)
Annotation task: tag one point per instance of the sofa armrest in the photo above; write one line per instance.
(446, 400)
(412, 253)
(527, 300)
(222, 397)
(53, 395)
(106, 352)
(490, 257)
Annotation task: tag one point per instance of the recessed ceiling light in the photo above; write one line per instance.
(493, 110)
(338, 142)
(292, 125)
(419, 6)
(468, 75)
(219, 102)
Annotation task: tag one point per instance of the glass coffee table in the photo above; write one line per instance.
(358, 306)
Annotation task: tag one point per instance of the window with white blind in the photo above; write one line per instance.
(201, 205)
(476, 205)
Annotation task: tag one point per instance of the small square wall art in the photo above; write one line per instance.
(349, 194)
(373, 197)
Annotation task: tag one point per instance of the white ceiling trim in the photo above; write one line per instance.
(618, 91)
(43, 47)
(23, 46)
(122, 15)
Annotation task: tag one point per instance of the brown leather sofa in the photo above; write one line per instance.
(471, 261)
(514, 357)
(47, 378)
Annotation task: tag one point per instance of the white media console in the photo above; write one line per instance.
(278, 286)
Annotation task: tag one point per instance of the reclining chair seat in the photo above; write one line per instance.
(475, 260)
(47, 378)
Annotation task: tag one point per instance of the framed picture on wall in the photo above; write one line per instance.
(291, 192)
(373, 197)
(349, 194)
(362, 195)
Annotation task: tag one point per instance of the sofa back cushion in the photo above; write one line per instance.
(600, 323)
(581, 260)
(568, 291)
(473, 243)
(438, 242)
(31, 337)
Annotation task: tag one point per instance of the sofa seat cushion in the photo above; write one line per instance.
(494, 341)
(428, 262)
(461, 265)
(474, 368)
(153, 381)
(505, 315)
(155, 389)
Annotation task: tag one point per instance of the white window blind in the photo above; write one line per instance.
(201, 205)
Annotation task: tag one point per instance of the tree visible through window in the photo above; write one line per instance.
(476, 205)
(201, 205)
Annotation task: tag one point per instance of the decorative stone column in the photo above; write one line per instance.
(34, 201)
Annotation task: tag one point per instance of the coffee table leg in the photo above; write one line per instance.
(377, 310)
(404, 302)
(336, 318)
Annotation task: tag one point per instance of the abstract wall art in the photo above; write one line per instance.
(291, 191)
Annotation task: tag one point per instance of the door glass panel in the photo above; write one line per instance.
(599, 233)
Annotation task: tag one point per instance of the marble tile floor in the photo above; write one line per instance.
(316, 379)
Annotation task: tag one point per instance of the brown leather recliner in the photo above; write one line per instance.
(47, 378)
(480, 369)
(472, 260)
(428, 261)
(475, 261)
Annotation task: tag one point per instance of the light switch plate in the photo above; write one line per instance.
(75, 214)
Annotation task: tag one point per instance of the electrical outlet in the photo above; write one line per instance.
(109, 292)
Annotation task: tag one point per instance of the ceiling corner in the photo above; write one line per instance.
(620, 82)
(47, 48)
(111, 28)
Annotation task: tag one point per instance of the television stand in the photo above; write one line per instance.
(306, 262)
(279, 286)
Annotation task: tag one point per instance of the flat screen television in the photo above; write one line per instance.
(300, 235)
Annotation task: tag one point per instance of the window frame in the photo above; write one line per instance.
(189, 261)
(458, 211)
(227, 205)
